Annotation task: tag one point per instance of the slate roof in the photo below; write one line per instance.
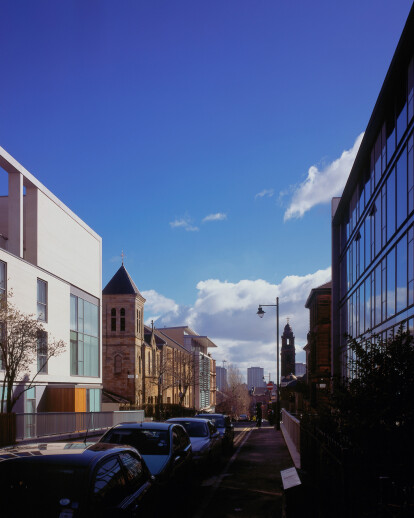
(121, 284)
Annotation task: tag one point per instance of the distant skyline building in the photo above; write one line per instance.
(255, 377)
(300, 369)
(221, 378)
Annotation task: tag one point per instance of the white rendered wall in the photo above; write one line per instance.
(22, 280)
(67, 249)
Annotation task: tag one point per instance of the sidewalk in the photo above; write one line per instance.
(252, 486)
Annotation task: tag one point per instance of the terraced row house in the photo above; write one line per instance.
(145, 365)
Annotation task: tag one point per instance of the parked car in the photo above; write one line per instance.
(73, 480)
(165, 447)
(224, 427)
(205, 438)
(243, 417)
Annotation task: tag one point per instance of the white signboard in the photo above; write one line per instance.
(290, 478)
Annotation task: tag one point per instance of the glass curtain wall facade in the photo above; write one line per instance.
(373, 264)
(84, 337)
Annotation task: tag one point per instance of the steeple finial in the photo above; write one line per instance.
(122, 257)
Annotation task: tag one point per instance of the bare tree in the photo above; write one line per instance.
(162, 378)
(185, 374)
(236, 399)
(24, 352)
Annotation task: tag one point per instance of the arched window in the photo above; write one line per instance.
(122, 325)
(113, 319)
(149, 362)
(118, 364)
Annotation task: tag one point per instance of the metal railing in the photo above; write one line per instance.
(48, 424)
(292, 426)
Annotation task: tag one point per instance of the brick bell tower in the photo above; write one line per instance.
(288, 351)
(123, 337)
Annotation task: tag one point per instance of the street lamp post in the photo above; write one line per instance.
(261, 313)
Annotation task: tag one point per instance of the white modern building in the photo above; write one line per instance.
(255, 377)
(51, 261)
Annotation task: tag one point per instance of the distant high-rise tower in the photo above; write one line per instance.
(288, 352)
(221, 378)
(255, 377)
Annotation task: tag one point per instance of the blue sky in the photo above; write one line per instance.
(204, 139)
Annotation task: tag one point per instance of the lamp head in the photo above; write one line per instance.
(260, 312)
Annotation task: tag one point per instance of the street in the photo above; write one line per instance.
(245, 484)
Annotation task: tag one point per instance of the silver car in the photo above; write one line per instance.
(205, 439)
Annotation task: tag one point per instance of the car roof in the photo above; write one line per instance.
(186, 419)
(149, 425)
(73, 454)
(208, 416)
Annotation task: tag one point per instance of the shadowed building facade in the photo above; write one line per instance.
(318, 347)
(373, 221)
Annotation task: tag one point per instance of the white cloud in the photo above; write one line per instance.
(321, 186)
(226, 312)
(184, 223)
(219, 216)
(266, 192)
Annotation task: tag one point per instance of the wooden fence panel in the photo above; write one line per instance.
(7, 429)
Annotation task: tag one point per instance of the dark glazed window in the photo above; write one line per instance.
(2, 279)
(42, 352)
(41, 300)
(122, 322)
(402, 188)
(402, 274)
(368, 303)
(390, 135)
(391, 205)
(113, 319)
(391, 283)
(378, 294)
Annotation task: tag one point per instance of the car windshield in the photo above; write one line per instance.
(217, 420)
(147, 442)
(195, 429)
(23, 486)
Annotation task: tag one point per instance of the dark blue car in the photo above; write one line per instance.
(74, 480)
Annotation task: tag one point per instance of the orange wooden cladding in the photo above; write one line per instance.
(68, 399)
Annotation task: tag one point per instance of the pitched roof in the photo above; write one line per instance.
(121, 284)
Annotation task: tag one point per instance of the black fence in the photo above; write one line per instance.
(344, 483)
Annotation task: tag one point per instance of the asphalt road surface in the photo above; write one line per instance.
(246, 484)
